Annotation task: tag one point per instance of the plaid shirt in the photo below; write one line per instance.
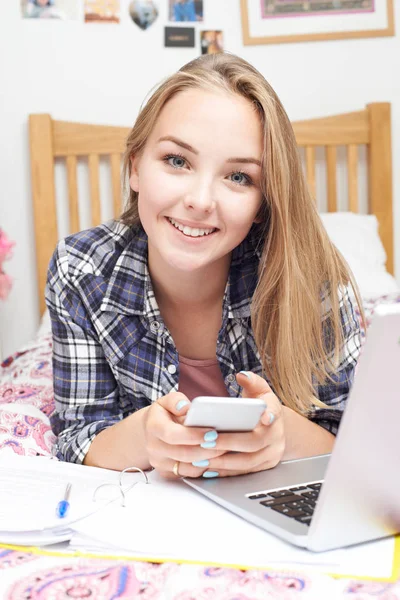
(112, 353)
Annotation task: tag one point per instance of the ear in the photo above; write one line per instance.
(134, 177)
(259, 216)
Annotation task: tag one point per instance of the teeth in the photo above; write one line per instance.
(190, 231)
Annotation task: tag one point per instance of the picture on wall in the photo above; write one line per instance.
(185, 10)
(211, 42)
(49, 9)
(143, 12)
(102, 11)
(179, 37)
(286, 21)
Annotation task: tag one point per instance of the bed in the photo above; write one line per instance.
(348, 165)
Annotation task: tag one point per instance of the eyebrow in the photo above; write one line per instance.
(235, 159)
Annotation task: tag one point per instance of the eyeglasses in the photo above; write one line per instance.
(120, 485)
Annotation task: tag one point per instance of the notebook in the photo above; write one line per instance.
(352, 495)
(32, 487)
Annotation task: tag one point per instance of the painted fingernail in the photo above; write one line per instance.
(271, 418)
(181, 404)
(210, 474)
(248, 375)
(210, 436)
(201, 463)
(208, 445)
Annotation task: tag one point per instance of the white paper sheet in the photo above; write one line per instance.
(31, 488)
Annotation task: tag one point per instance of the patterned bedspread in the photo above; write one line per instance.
(26, 402)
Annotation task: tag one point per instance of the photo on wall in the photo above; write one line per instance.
(185, 10)
(179, 37)
(49, 9)
(143, 12)
(211, 42)
(102, 11)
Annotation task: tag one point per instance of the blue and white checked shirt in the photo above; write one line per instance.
(112, 353)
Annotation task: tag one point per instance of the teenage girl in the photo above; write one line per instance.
(219, 279)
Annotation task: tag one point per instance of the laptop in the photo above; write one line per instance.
(347, 497)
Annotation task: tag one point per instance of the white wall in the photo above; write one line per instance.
(101, 73)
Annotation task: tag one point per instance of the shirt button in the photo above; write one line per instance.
(155, 326)
(171, 369)
(230, 378)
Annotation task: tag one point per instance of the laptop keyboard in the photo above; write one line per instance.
(295, 502)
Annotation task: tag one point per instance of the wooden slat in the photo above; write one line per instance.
(380, 175)
(94, 189)
(72, 194)
(339, 130)
(310, 170)
(115, 161)
(352, 177)
(44, 196)
(80, 139)
(331, 178)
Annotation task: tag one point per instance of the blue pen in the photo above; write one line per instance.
(63, 505)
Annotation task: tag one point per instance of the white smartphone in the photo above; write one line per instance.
(225, 414)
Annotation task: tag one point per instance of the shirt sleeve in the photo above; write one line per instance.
(85, 390)
(334, 391)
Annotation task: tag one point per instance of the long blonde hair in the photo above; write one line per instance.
(299, 266)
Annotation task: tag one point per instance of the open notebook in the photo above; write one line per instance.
(32, 487)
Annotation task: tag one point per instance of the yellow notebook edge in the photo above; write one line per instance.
(38, 551)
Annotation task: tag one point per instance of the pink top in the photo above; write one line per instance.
(200, 378)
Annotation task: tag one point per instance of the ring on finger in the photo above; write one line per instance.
(175, 469)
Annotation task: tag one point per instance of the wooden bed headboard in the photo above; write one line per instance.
(51, 140)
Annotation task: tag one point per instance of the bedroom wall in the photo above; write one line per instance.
(101, 73)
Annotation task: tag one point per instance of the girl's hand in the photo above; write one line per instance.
(255, 450)
(169, 442)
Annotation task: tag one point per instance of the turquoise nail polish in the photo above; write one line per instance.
(181, 404)
(210, 436)
(201, 463)
(208, 445)
(271, 418)
(246, 374)
(210, 474)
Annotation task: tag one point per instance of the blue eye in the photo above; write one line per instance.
(175, 161)
(240, 178)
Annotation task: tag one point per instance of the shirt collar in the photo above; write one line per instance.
(130, 291)
(243, 275)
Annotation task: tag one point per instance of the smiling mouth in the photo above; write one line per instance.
(193, 232)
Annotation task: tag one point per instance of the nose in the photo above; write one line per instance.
(200, 198)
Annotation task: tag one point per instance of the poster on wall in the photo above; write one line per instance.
(185, 10)
(102, 11)
(49, 9)
(211, 42)
(143, 12)
(286, 21)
